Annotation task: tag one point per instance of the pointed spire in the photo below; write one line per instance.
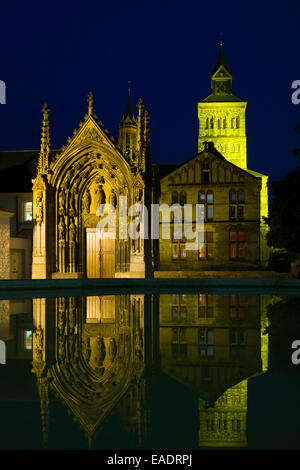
(45, 141)
(90, 101)
(128, 113)
(221, 60)
(139, 139)
(146, 127)
(221, 80)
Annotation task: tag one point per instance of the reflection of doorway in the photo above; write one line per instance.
(100, 255)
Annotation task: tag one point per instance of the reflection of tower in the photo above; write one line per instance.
(224, 424)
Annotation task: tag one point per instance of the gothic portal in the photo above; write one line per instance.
(88, 173)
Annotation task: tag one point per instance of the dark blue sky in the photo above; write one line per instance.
(56, 52)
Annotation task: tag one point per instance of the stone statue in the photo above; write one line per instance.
(113, 198)
(100, 195)
(62, 203)
(72, 210)
(72, 231)
(86, 201)
(39, 208)
(61, 230)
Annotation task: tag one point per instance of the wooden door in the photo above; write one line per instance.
(100, 255)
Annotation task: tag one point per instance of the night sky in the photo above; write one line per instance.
(56, 52)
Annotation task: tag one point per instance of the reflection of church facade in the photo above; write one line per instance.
(93, 169)
(106, 360)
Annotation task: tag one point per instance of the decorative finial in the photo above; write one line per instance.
(90, 101)
(45, 141)
(129, 87)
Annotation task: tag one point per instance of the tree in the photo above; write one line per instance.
(284, 213)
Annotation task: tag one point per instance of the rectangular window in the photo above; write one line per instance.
(178, 248)
(240, 212)
(205, 176)
(206, 306)
(237, 307)
(179, 310)
(28, 339)
(206, 249)
(231, 212)
(237, 346)
(27, 211)
(179, 345)
(209, 212)
(206, 342)
(236, 245)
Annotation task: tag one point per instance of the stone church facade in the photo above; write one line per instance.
(54, 203)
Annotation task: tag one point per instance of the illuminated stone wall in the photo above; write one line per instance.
(224, 177)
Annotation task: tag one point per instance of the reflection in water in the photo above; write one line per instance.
(99, 354)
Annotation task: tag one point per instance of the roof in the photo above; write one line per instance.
(221, 60)
(210, 148)
(128, 113)
(221, 98)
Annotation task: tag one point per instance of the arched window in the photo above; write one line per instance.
(232, 123)
(232, 197)
(224, 123)
(209, 205)
(201, 198)
(212, 123)
(237, 122)
(241, 197)
(182, 198)
(174, 197)
(207, 123)
(219, 123)
(210, 197)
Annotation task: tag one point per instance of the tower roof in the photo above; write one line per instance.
(221, 61)
(128, 113)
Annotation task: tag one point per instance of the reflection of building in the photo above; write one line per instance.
(100, 356)
(92, 169)
(90, 365)
(212, 344)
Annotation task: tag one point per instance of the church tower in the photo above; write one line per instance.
(128, 131)
(222, 116)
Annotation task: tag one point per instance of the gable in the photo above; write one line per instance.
(221, 73)
(221, 170)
